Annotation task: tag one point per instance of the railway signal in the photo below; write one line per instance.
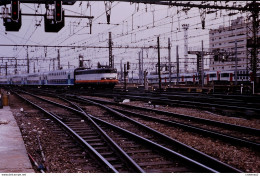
(15, 10)
(58, 11)
(13, 22)
(128, 65)
(54, 18)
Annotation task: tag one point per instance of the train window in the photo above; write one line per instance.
(212, 75)
(224, 74)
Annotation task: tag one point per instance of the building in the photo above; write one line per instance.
(224, 39)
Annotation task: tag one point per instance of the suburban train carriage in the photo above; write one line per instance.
(188, 78)
(17, 80)
(227, 76)
(185, 78)
(3, 80)
(32, 79)
(153, 77)
(258, 77)
(211, 76)
(102, 77)
(58, 78)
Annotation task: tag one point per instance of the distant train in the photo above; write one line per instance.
(216, 77)
(80, 77)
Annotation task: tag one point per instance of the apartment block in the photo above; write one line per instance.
(224, 39)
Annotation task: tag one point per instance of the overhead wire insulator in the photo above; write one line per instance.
(203, 13)
(90, 25)
(108, 5)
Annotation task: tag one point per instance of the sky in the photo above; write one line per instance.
(136, 25)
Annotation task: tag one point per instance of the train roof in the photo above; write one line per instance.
(84, 69)
(65, 70)
(97, 70)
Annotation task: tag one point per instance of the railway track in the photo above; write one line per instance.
(225, 105)
(161, 137)
(87, 135)
(147, 154)
(234, 134)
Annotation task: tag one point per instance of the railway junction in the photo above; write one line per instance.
(84, 90)
(64, 131)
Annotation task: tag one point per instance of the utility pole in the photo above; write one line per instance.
(255, 12)
(185, 27)
(159, 64)
(132, 76)
(28, 63)
(202, 64)
(58, 59)
(140, 70)
(110, 50)
(236, 62)
(178, 64)
(5, 68)
(125, 73)
(145, 80)
(121, 68)
(169, 58)
(33, 67)
(253, 40)
(142, 66)
(15, 71)
(53, 64)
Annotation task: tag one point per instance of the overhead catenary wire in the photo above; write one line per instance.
(160, 24)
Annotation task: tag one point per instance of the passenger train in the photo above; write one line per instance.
(216, 77)
(80, 77)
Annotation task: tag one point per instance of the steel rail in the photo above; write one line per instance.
(225, 166)
(198, 104)
(186, 103)
(126, 157)
(204, 158)
(182, 116)
(217, 100)
(157, 146)
(197, 129)
(109, 167)
(152, 144)
(193, 128)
